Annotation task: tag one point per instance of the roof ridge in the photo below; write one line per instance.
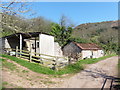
(87, 46)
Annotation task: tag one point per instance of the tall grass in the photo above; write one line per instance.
(119, 68)
(72, 68)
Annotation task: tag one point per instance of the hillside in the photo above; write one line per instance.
(103, 31)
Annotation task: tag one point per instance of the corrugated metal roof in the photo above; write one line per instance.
(26, 35)
(88, 46)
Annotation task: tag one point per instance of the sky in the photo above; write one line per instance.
(77, 12)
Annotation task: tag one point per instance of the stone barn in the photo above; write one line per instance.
(35, 41)
(83, 51)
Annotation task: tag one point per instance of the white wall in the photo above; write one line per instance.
(46, 44)
(100, 53)
(86, 54)
(57, 49)
(94, 53)
(7, 45)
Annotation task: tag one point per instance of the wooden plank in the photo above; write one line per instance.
(37, 56)
(47, 55)
(44, 58)
(49, 62)
(36, 59)
(25, 57)
(24, 51)
(25, 54)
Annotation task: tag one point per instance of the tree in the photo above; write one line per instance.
(13, 9)
(61, 33)
(40, 24)
(78, 40)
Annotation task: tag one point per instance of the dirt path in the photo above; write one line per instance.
(21, 77)
(93, 75)
(90, 77)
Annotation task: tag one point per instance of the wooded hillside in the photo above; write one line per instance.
(103, 33)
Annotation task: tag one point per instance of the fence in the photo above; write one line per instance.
(53, 62)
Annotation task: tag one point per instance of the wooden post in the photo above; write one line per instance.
(67, 60)
(20, 44)
(30, 53)
(56, 67)
(35, 46)
(39, 44)
(16, 51)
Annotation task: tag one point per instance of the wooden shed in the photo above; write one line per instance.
(83, 50)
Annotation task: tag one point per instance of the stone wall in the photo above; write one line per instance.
(57, 50)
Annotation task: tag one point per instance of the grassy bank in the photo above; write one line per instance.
(73, 68)
(119, 68)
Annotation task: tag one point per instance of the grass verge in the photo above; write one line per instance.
(73, 68)
(119, 68)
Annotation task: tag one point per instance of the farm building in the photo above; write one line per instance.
(35, 41)
(88, 50)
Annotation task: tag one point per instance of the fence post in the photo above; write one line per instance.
(56, 67)
(30, 53)
(67, 60)
(16, 51)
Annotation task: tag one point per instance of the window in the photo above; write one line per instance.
(37, 44)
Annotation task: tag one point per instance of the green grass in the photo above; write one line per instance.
(95, 60)
(8, 65)
(70, 69)
(119, 68)
(5, 83)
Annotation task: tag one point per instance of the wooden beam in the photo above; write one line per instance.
(39, 44)
(20, 44)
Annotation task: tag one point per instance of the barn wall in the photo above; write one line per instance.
(71, 49)
(92, 53)
(46, 44)
(86, 54)
(95, 54)
(100, 53)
